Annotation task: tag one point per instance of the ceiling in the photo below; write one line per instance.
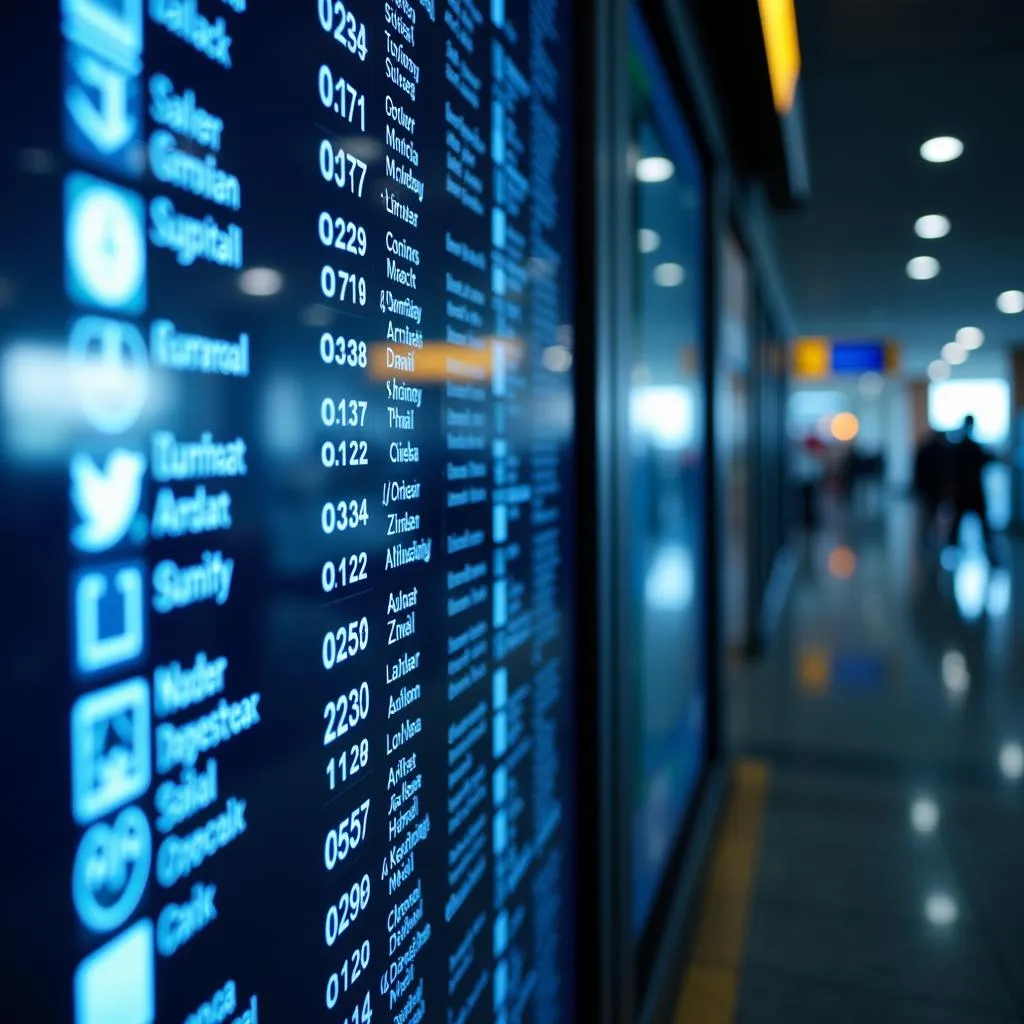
(880, 77)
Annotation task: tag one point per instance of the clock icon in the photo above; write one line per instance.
(105, 245)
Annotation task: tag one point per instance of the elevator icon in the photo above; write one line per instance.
(109, 617)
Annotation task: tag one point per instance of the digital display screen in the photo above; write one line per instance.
(287, 445)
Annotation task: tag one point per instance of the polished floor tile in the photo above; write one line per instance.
(890, 705)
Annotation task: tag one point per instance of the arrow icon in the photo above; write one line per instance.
(108, 125)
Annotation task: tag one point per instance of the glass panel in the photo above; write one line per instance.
(667, 470)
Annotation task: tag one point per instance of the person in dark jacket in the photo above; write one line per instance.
(932, 480)
(968, 463)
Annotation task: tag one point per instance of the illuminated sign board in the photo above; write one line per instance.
(288, 440)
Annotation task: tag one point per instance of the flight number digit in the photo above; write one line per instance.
(339, 351)
(342, 97)
(362, 1013)
(344, 454)
(338, 233)
(341, 574)
(342, 914)
(342, 285)
(343, 169)
(348, 763)
(337, 20)
(351, 970)
(343, 412)
(337, 517)
(345, 642)
(346, 712)
(346, 836)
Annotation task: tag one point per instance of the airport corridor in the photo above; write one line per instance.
(868, 865)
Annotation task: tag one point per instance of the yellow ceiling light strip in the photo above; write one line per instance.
(782, 44)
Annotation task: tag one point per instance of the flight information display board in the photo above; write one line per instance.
(287, 445)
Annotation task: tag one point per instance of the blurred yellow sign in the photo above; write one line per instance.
(812, 357)
(782, 46)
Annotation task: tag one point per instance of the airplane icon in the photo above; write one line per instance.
(106, 500)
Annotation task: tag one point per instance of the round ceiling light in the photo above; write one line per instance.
(931, 226)
(938, 369)
(669, 275)
(1010, 302)
(953, 354)
(923, 268)
(970, 338)
(942, 149)
(654, 168)
(647, 240)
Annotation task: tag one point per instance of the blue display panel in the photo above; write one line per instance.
(287, 434)
(667, 457)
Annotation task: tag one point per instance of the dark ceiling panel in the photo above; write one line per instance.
(877, 85)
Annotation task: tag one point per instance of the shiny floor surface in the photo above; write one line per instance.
(889, 884)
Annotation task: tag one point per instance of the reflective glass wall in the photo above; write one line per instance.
(667, 467)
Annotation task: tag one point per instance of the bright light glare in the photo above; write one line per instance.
(924, 815)
(942, 149)
(845, 426)
(647, 240)
(670, 580)
(988, 400)
(938, 369)
(1011, 302)
(970, 580)
(654, 169)
(260, 281)
(871, 384)
(955, 677)
(1011, 760)
(665, 414)
(953, 354)
(923, 268)
(669, 275)
(941, 909)
(556, 358)
(932, 225)
(970, 338)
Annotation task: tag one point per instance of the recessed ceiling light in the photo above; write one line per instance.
(669, 275)
(1011, 760)
(923, 268)
(942, 149)
(953, 353)
(647, 240)
(260, 281)
(1010, 302)
(654, 168)
(932, 225)
(970, 338)
(938, 369)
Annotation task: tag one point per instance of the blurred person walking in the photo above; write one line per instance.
(933, 483)
(968, 462)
